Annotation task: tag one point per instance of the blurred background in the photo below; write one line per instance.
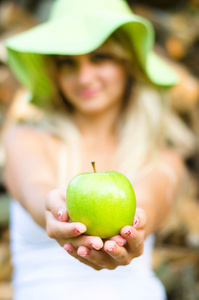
(176, 254)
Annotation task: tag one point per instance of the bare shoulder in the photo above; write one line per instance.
(31, 155)
(31, 159)
(22, 134)
(28, 144)
(29, 137)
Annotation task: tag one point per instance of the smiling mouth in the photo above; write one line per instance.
(88, 93)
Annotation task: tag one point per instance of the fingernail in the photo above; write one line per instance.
(111, 249)
(60, 213)
(136, 221)
(79, 230)
(121, 243)
(128, 233)
(67, 248)
(84, 254)
(95, 247)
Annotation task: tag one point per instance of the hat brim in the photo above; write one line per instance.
(69, 36)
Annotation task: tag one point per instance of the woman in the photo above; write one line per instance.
(92, 72)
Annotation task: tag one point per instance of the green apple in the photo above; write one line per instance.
(103, 201)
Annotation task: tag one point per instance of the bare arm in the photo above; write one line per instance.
(156, 191)
(30, 172)
(31, 178)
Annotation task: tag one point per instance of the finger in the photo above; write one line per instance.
(117, 252)
(99, 258)
(134, 239)
(83, 251)
(55, 202)
(73, 252)
(62, 230)
(140, 220)
(119, 240)
(91, 242)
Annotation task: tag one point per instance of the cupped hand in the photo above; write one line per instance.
(60, 228)
(119, 250)
(91, 250)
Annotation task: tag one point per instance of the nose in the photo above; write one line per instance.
(85, 72)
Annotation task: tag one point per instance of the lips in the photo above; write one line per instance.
(88, 93)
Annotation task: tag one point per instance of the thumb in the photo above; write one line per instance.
(56, 204)
(140, 219)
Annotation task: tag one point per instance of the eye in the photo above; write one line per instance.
(101, 56)
(66, 61)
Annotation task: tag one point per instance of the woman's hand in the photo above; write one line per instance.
(91, 250)
(58, 225)
(118, 250)
(65, 232)
(133, 241)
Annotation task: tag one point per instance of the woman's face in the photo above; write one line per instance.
(93, 82)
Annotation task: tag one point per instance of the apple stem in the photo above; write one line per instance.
(93, 165)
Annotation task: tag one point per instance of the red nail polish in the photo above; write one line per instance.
(128, 233)
(111, 249)
(69, 250)
(121, 243)
(95, 247)
(77, 230)
(135, 221)
(84, 254)
(60, 213)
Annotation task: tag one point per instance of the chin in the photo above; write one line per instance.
(92, 110)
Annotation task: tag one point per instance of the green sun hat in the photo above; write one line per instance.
(78, 27)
